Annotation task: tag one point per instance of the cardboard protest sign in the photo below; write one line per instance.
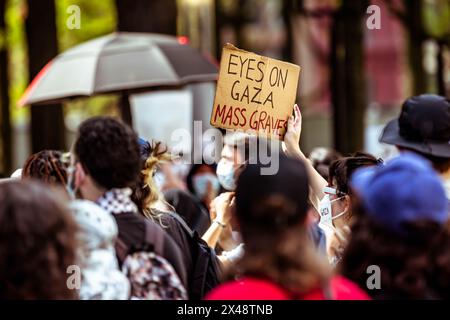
(254, 92)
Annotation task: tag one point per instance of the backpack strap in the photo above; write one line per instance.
(183, 223)
(121, 250)
(155, 237)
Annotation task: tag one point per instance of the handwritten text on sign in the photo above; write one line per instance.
(254, 92)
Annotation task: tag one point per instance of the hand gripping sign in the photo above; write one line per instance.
(254, 93)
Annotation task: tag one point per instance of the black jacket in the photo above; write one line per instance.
(132, 232)
(190, 209)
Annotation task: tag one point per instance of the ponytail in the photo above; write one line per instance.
(146, 193)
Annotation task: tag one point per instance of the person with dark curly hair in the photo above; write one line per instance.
(106, 164)
(48, 166)
(402, 230)
(37, 243)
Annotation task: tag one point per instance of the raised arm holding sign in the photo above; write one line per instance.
(254, 93)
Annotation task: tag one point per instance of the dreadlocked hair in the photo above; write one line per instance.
(146, 193)
(48, 166)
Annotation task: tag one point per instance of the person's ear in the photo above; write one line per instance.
(80, 175)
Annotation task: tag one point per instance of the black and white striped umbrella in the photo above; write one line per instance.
(119, 62)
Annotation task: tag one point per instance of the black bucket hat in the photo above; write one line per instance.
(423, 126)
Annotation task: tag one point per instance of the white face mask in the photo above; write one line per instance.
(325, 211)
(200, 183)
(225, 173)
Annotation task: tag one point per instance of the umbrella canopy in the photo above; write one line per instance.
(119, 62)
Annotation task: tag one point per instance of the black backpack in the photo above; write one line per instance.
(151, 276)
(207, 268)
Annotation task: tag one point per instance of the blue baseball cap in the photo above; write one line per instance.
(406, 189)
(142, 142)
(144, 148)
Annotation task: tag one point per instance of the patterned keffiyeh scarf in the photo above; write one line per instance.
(117, 201)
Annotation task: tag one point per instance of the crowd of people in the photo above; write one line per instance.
(112, 219)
